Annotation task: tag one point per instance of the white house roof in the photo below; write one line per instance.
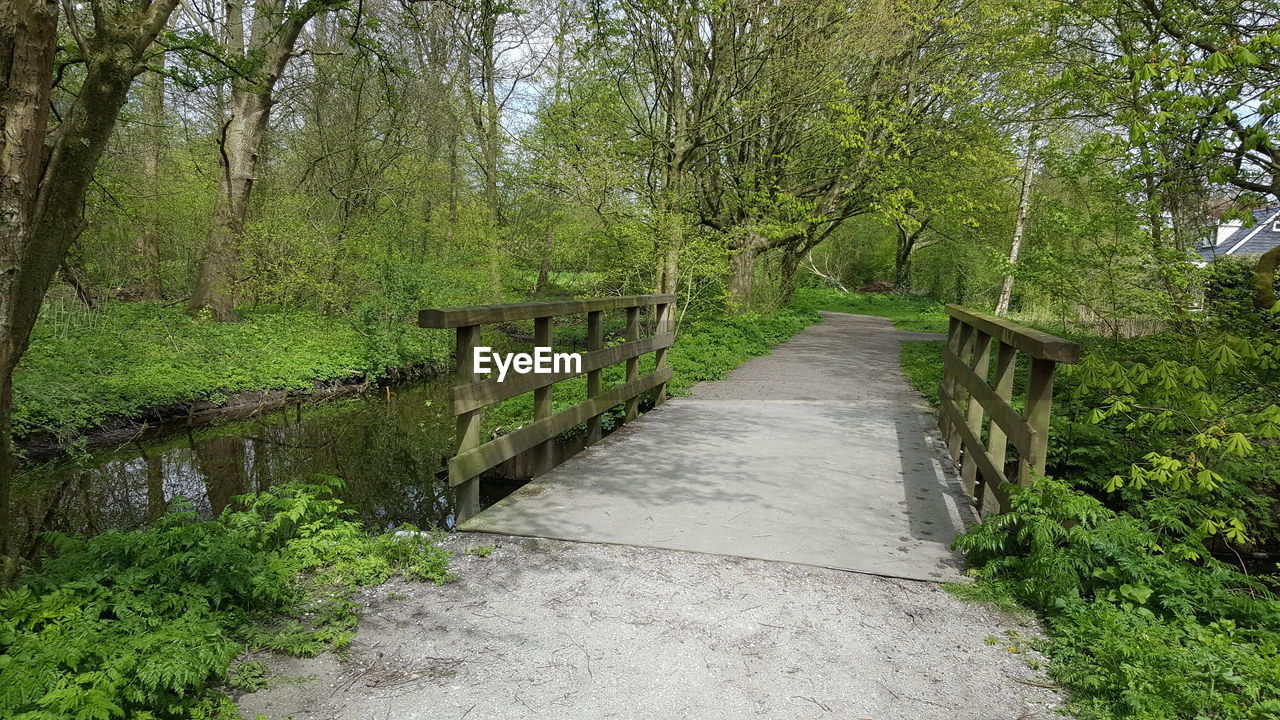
(1262, 235)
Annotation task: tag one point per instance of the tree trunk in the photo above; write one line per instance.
(491, 138)
(453, 191)
(1019, 223)
(742, 277)
(901, 270)
(790, 264)
(42, 189)
(1264, 279)
(273, 33)
(145, 244)
(240, 145)
(544, 270)
(669, 263)
(902, 256)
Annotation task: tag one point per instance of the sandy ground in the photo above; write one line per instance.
(552, 629)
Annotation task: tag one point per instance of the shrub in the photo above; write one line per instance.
(144, 623)
(1135, 631)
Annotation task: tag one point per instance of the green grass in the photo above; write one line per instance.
(909, 313)
(921, 362)
(87, 368)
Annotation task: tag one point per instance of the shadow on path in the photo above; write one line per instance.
(817, 454)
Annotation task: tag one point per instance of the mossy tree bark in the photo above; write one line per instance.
(1264, 279)
(45, 173)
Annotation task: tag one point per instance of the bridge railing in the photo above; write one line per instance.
(473, 394)
(971, 391)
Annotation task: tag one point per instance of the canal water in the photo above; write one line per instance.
(389, 446)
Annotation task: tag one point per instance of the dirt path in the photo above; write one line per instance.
(551, 629)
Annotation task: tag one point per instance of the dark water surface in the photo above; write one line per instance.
(389, 446)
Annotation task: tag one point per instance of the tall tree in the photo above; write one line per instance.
(146, 243)
(1195, 83)
(259, 48)
(1019, 223)
(45, 172)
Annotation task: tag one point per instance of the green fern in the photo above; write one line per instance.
(145, 623)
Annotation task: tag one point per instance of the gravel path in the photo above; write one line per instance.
(552, 629)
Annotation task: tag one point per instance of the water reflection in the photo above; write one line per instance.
(389, 447)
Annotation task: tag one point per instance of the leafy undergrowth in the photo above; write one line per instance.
(145, 623)
(909, 313)
(88, 368)
(706, 348)
(1135, 632)
(1151, 559)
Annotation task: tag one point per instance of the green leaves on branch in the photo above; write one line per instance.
(1200, 413)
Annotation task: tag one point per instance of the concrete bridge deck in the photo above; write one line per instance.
(817, 454)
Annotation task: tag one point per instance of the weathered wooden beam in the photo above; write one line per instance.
(468, 465)
(972, 445)
(997, 438)
(489, 391)
(1039, 405)
(542, 399)
(633, 363)
(595, 343)
(952, 344)
(468, 495)
(483, 314)
(663, 314)
(977, 369)
(1037, 344)
(955, 389)
(1002, 413)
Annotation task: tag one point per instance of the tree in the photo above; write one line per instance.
(146, 247)
(257, 51)
(1019, 223)
(45, 172)
(1195, 83)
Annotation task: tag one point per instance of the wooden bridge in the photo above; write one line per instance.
(817, 454)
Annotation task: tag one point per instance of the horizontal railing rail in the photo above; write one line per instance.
(971, 400)
(473, 394)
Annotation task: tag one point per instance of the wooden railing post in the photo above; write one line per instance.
(980, 364)
(946, 387)
(967, 398)
(633, 364)
(964, 346)
(1039, 405)
(662, 314)
(468, 489)
(997, 439)
(595, 341)
(544, 459)
(473, 394)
